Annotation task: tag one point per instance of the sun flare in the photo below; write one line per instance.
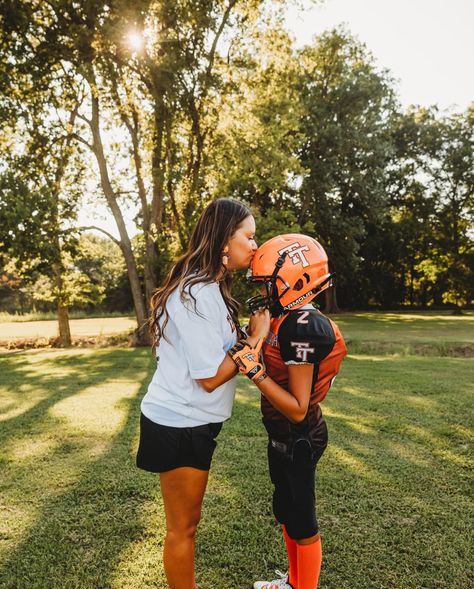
(135, 40)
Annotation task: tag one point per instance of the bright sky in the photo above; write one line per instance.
(428, 45)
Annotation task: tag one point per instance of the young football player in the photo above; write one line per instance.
(302, 355)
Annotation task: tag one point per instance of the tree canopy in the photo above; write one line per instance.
(161, 106)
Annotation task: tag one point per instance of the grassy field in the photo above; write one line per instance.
(394, 487)
(419, 327)
(52, 316)
(91, 326)
(430, 333)
(405, 333)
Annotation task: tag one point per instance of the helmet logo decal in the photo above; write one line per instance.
(295, 251)
(302, 350)
(299, 300)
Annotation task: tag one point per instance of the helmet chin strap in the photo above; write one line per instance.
(278, 265)
(260, 301)
(324, 282)
(313, 292)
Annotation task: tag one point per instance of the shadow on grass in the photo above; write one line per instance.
(55, 378)
(78, 535)
(393, 486)
(393, 497)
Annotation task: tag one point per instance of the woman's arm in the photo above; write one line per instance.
(259, 326)
(294, 402)
(227, 370)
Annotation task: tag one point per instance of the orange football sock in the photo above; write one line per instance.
(309, 557)
(291, 550)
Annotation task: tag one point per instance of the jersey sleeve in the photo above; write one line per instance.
(305, 337)
(200, 332)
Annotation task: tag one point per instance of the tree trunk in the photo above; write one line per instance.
(126, 247)
(130, 118)
(64, 332)
(150, 266)
(64, 340)
(157, 171)
(141, 336)
(331, 301)
(150, 250)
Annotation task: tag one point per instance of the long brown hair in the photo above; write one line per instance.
(201, 262)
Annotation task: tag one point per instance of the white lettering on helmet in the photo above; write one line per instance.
(302, 350)
(295, 251)
(298, 301)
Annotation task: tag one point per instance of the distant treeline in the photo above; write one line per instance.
(155, 109)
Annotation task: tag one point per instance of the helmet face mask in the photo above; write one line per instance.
(269, 300)
(293, 268)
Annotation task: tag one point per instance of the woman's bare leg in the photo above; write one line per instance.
(183, 491)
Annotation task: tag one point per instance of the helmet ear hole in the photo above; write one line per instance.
(298, 285)
(306, 275)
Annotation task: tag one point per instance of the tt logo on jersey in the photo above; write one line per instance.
(296, 253)
(302, 350)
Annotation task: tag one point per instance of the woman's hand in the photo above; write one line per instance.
(259, 324)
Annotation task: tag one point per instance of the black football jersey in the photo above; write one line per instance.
(303, 336)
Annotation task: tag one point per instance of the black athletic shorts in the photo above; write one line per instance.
(293, 473)
(163, 448)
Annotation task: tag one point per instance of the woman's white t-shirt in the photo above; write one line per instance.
(197, 345)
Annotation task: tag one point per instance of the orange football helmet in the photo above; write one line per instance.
(293, 268)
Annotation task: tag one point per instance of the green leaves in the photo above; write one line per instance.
(212, 99)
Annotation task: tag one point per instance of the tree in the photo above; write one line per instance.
(163, 93)
(39, 194)
(347, 104)
(452, 186)
(432, 205)
(101, 260)
(254, 153)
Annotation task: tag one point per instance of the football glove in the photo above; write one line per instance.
(247, 360)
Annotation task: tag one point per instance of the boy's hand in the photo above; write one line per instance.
(259, 324)
(246, 359)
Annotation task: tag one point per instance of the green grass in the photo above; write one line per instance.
(422, 334)
(420, 327)
(427, 333)
(41, 331)
(52, 315)
(394, 488)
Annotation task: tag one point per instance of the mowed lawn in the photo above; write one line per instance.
(394, 486)
(401, 328)
(405, 327)
(79, 327)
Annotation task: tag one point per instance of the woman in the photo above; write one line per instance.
(302, 353)
(194, 323)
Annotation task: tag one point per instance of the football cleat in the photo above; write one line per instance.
(281, 583)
